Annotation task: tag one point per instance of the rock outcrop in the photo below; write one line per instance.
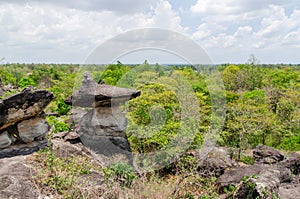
(102, 128)
(22, 121)
(267, 155)
(272, 176)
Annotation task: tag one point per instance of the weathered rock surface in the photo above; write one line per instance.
(33, 128)
(265, 185)
(23, 105)
(267, 155)
(103, 128)
(22, 149)
(21, 122)
(103, 121)
(264, 180)
(92, 94)
(235, 175)
(15, 178)
(5, 140)
(215, 161)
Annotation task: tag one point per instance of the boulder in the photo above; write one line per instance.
(33, 128)
(103, 128)
(292, 163)
(23, 105)
(215, 161)
(267, 155)
(5, 140)
(104, 131)
(234, 176)
(265, 185)
(16, 179)
(104, 121)
(22, 149)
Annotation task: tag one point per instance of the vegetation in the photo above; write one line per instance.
(262, 107)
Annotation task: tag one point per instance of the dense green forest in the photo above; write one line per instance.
(251, 104)
(262, 101)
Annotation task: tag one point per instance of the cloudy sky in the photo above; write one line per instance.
(61, 31)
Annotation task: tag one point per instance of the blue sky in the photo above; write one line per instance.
(61, 31)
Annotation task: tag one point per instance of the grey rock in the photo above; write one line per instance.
(267, 155)
(104, 121)
(103, 130)
(290, 190)
(234, 176)
(33, 128)
(265, 185)
(22, 149)
(23, 105)
(16, 179)
(92, 94)
(214, 161)
(5, 140)
(292, 163)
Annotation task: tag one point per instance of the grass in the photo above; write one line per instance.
(76, 177)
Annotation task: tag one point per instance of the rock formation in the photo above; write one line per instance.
(272, 176)
(22, 125)
(103, 128)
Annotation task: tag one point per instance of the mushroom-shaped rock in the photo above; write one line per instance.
(103, 128)
(92, 94)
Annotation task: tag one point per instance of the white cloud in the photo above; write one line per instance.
(247, 26)
(66, 31)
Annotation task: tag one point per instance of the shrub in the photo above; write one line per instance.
(122, 173)
(58, 123)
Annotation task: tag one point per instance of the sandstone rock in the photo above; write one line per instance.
(215, 161)
(23, 105)
(33, 128)
(292, 163)
(92, 94)
(104, 121)
(234, 176)
(265, 185)
(22, 149)
(267, 155)
(290, 190)
(16, 179)
(5, 140)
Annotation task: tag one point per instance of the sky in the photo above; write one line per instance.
(229, 31)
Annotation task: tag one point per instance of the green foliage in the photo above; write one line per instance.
(122, 173)
(62, 107)
(58, 123)
(247, 159)
(26, 81)
(256, 97)
(291, 143)
(7, 77)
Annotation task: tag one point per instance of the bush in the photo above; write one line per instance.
(291, 143)
(26, 81)
(122, 173)
(58, 123)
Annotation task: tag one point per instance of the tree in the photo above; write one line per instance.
(252, 60)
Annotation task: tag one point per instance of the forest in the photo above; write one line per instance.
(239, 106)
